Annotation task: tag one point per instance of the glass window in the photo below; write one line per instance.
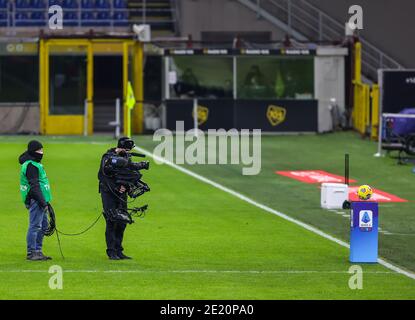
(19, 78)
(67, 84)
(275, 77)
(201, 76)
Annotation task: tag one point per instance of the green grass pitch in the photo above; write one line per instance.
(198, 242)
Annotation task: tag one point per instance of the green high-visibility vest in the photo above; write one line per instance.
(43, 181)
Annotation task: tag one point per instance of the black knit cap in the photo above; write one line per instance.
(33, 146)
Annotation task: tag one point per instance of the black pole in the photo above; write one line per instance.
(346, 168)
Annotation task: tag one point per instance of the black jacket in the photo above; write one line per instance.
(32, 175)
(110, 161)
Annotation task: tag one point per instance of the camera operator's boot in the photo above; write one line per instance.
(113, 256)
(122, 256)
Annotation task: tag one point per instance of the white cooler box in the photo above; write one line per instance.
(333, 195)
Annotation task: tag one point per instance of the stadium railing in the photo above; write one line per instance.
(304, 21)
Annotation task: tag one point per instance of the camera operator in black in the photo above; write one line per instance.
(114, 196)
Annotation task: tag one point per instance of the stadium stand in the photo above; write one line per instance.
(3, 13)
(90, 13)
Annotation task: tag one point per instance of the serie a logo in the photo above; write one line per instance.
(276, 115)
(365, 220)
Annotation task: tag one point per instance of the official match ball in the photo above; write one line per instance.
(364, 192)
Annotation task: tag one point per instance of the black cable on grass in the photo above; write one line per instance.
(138, 212)
(52, 228)
(51, 221)
(82, 232)
(59, 245)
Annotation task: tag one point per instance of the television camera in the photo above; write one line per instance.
(127, 173)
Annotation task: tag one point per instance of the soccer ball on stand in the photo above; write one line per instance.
(364, 192)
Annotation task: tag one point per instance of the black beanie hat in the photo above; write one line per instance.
(125, 143)
(33, 146)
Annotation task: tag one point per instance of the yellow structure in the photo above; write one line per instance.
(62, 121)
(374, 94)
(365, 115)
(361, 109)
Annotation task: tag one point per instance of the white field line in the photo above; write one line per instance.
(268, 209)
(201, 271)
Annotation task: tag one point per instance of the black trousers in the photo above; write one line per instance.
(114, 232)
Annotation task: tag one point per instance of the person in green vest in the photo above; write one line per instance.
(35, 192)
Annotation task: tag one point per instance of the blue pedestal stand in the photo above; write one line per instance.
(364, 232)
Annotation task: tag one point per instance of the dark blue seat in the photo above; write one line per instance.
(121, 15)
(37, 16)
(22, 4)
(3, 3)
(55, 2)
(120, 4)
(102, 4)
(87, 4)
(87, 15)
(3, 18)
(70, 19)
(88, 19)
(103, 19)
(70, 15)
(103, 15)
(22, 19)
(120, 19)
(37, 4)
(37, 19)
(69, 4)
